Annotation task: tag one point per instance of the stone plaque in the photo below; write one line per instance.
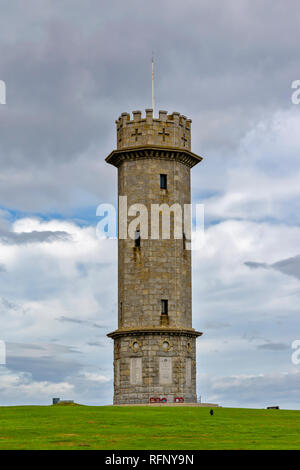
(188, 371)
(136, 370)
(117, 372)
(165, 370)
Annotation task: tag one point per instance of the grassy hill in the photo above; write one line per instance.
(87, 427)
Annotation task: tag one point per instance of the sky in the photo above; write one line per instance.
(71, 68)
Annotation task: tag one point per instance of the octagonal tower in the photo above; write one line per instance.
(155, 344)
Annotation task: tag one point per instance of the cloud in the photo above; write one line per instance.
(228, 297)
(253, 265)
(95, 377)
(43, 368)
(261, 181)
(43, 285)
(96, 343)
(69, 319)
(81, 322)
(33, 237)
(43, 361)
(21, 388)
(216, 325)
(58, 124)
(290, 266)
(274, 346)
(259, 306)
(255, 390)
(8, 305)
(13, 386)
(31, 350)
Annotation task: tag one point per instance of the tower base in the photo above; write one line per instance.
(203, 405)
(154, 365)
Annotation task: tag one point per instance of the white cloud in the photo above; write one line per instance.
(263, 180)
(67, 287)
(254, 390)
(14, 386)
(94, 377)
(70, 279)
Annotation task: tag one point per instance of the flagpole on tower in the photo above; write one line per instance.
(153, 104)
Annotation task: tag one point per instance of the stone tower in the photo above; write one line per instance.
(155, 344)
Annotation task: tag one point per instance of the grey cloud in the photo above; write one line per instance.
(252, 390)
(32, 350)
(82, 390)
(289, 266)
(43, 361)
(58, 124)
(85, 268)
(81, 322)
(10, 305)
(95, 393)
(48, 368)
(2, 268)
(253, 265)
(274, 346)
(96, 325)
(29, 347)
(96, 343)
(23, 238)
(70, 320)
(216, 325)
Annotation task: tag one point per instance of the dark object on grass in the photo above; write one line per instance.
(211, 412)
(273, 408)
(58, 401)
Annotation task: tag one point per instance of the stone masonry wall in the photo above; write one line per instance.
(159, 269)
(150, 351)
(160, 362)
(173, 130)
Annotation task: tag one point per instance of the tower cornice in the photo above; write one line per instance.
(152, 331)
(156, 152)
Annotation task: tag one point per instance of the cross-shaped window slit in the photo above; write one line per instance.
(164, 133)
(184, 139)
(136, 134)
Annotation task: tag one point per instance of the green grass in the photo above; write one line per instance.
(157, 428)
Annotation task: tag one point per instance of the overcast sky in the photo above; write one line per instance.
(71, 68)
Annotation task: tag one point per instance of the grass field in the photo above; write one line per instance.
(174, 428)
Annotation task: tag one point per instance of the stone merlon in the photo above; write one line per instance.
(168, 130)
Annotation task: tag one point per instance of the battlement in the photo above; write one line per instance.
(168, 130)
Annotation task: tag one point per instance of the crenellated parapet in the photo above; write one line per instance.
(168, 130)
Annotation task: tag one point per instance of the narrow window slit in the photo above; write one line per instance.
(164, 307)
(163, 181)
(137, 238)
